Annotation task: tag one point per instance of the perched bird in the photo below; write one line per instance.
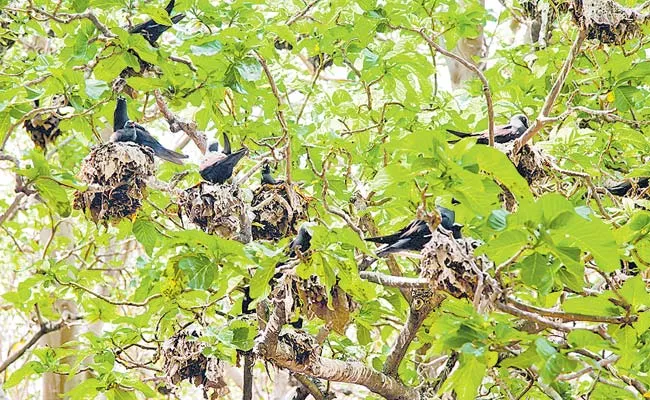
(217, 167)
(267, 178)
(416, 234)
(132, 132)
(502, 134)
(623, 188)
(301, 243)
(152, 30)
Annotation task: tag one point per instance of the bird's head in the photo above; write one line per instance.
(266, 169)
(519, 120)
(214, 147)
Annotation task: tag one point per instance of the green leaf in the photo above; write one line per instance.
(623, 97)
(158, 14)
(54, 195)
(504, 246)
(249, 69)
(147, 234)
(95, 88)
(207, 49)
(536, 272)
(199, 269)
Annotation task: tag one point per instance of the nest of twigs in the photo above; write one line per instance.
(183, 360)
(277, 211)
(607, 21)
(116, 174)
(217, 209)
(531, 163)
(452, 268)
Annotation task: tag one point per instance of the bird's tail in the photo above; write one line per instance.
(177, 18)
(460, 134)
(385, 251)
(171, 156)
(388, 239)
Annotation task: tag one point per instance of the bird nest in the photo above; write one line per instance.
(183, 359)
(451, 267)
(116, 174)
(531, 163)
(607, 21)
(44, 127)
(217, 209)
(314, 300)
(277, 211)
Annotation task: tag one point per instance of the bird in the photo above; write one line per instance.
(132, 132)
(217, 167)
(301, 243)
(502, 134)
(623, 188)
(267, 178)
(152, 30)
(416, 234)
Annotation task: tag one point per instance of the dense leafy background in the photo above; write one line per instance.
(376, 120)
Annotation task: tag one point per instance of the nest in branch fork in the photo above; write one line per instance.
(607, 21)
(304, 347)
(217, 209)
(314, 298)
(183, 360)
(116, 174)
(278, 209)
(531, 163)
(451, 267)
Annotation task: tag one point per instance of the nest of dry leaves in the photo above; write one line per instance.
(451, 267)
(314, 299)
(217, 209)
(116, 174)
(607, 21)
(278, 211)
(183, 360)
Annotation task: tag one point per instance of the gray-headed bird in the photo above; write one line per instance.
(502, 134)
(217, 167)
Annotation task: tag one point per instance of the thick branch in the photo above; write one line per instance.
(415, 319)
(341, 371)
(394, 281)
(552, 96)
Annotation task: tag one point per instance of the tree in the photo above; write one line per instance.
(190, 286)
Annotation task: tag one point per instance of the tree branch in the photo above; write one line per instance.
(44, 330)
(552, 96)
(407, 334)
(394, 281)
(176, 124)
(570, 316)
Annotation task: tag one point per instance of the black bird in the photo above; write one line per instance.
(152, 30)
(416, 234)
(623, 188)
(302, 242)
(267, 178)
(502, 134)
(217, 167)
(132, 132)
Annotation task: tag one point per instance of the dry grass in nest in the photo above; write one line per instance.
(276, 213)
(217, 209)
(183, 360)
(452, 268)
(116, 174)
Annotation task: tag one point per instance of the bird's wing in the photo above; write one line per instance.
(462, 134)
(388, 239)
(144, 138)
